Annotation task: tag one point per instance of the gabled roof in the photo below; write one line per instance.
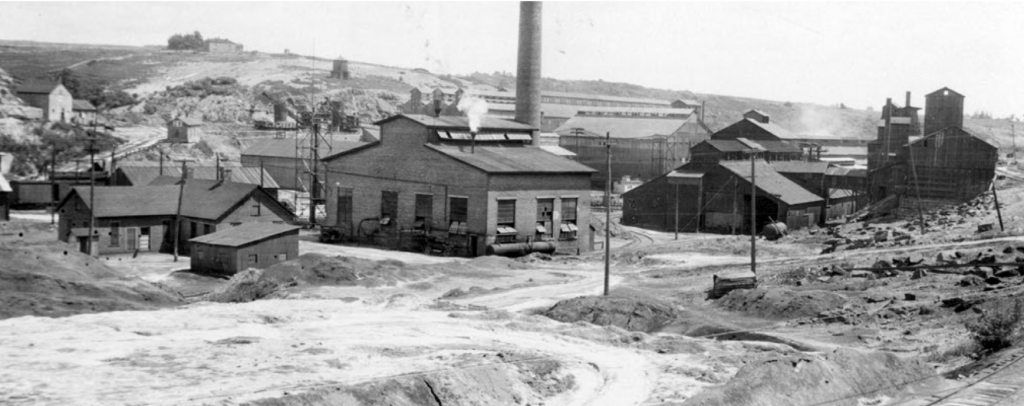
(961, 130)
(459, 123)
(840, 193)
(800, 167)
(624, 127)
(189, 121)
(245, 234)
(38, 87)
(286, 148)
(771, 182)
(4, 185)
(203, 199)
(150, 175)
(511, 160)
(943, 90)
(82, 105)
(737, 146)
(774, 129)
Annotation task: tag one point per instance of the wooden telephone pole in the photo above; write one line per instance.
(608, 212)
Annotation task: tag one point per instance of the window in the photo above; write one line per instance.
(506, 221)
(207, 229)
(254, 210)
(424, 208)
(115, 233)
(194, 230)
(282, 256)
(254, 259)
(458, 215)
(388, 207)
(200, 253)
(545, 214)
(568, 228)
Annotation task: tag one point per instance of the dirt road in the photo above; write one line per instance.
(229, 354)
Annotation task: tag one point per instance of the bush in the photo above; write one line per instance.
(999, 329)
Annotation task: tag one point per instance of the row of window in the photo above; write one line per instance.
(458, 214)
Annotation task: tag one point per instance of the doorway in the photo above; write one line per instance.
(144, 239)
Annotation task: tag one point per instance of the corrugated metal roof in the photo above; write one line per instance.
(571, 95)
(557, 150)
(624, 127)
(774, 129)
(82, 105)
(203, 199)
(681, 177)
(38, 87)
(285, 148)
(460, 123)
(511, 159)
(771, 182)
(737, 146)
(800, 167)
(244, 234)
(147, 175)
(4, 185)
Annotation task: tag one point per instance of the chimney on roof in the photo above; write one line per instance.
(528, 73)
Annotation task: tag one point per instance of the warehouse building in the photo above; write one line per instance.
(491, 191)
(717, 198)
(141, 218)
(250, 245)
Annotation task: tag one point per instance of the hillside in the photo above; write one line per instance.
(165, 83)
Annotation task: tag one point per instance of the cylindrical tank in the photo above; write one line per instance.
(519, 249)
(774, 231)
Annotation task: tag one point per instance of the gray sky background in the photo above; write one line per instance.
(829, 52)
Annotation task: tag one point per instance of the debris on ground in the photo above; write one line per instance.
(633, 314)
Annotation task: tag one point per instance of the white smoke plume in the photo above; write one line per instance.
(475, 109)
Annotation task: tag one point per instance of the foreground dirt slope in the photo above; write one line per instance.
(49, 278)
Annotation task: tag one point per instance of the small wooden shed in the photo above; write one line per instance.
(250, 245)
(184, 130)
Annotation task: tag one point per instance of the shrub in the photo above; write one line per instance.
(998, 329)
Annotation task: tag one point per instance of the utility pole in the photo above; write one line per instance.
(54, 195)
(999, 212)
(92, 186)
(177, 216)
(753, 215)
(607, 213)
(917, 188)
(677, 213)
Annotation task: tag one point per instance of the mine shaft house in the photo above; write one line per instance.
(250, 245)
(140, 218)
(429, 179)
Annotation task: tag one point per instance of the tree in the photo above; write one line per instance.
(193, 41)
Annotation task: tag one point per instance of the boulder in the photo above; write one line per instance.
(918, 274)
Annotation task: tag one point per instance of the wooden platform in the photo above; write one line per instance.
(723, 285)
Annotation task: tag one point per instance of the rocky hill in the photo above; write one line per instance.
(228, 89)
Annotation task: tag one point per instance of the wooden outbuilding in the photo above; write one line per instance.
(52, 98)
(184, 130)
(251, 245)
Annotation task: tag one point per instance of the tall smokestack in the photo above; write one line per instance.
(908, 100)
(528, 73)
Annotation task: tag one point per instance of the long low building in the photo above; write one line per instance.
(717, 198)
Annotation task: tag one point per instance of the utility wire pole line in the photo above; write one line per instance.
(177, 216)
(607, 213)
(753, 215)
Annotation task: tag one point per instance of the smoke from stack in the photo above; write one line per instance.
(528, 73)
(475, 109)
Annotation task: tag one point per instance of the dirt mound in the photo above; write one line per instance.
(54, 280)
(506, 382)
(843, 377)
(633, 314)
(781, 303)
(314, 270)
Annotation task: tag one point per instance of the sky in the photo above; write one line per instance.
(855, 53)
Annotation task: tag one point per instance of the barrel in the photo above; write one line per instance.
(774, 231)
(519, 249)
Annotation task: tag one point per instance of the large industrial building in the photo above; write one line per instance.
(946, 164)
(478, 192)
